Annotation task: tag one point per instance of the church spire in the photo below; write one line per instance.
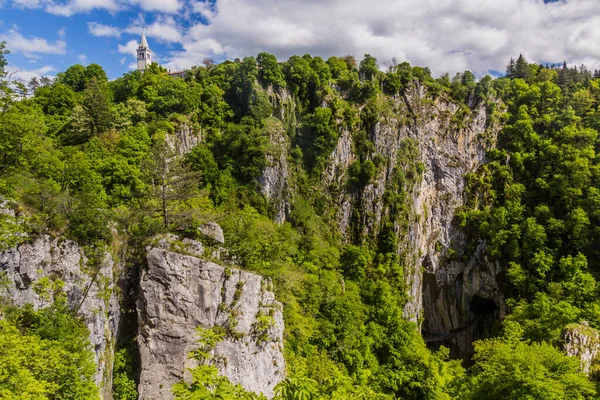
(144, 55)
(143, 41)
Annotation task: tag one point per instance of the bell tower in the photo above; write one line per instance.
(144, 55)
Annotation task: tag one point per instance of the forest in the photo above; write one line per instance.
(89, 159)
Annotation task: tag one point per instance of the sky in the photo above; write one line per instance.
(48, 36)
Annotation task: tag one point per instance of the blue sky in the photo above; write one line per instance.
(48, 41)
(48, 36)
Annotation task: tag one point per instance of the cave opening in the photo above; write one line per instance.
(483, 306)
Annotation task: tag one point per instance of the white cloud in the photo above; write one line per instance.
(164, 29)
(82, 58)
(27, 3)
(25, 76)
(205, 9)
(69, 7)
(97, 29)
(446, 35)
(31, 46)
(129, 48)
(165, 6)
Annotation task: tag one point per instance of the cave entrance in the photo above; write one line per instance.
(483, 306)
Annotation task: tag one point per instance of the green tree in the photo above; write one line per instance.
(171, 183)
(93, 116)
(6, 93)
(269, 71)
(45, 354)
(509, 368)
(75, 77)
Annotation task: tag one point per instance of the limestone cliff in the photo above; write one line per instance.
(179, 293)
(454, 294)
(185, 138)
(89, 289)
(582, 342)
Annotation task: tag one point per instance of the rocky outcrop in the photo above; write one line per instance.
(212, 231)
(28, 268)
(583, 342)
(455, 294)
(184, 139)
(274, 180)
(179, 293)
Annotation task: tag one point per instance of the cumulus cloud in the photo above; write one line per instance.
(164, 29)
(164, 6)
(446, 35)
(25, 76)
(27, 3)
(194, 53)
(31, 46)
(130, 48)
(97, 29)
(67, 8)
(205, 9)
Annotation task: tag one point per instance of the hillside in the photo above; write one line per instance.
(306, 229)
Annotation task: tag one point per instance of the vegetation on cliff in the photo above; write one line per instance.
(95, 160)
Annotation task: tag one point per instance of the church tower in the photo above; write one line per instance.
(144, 55)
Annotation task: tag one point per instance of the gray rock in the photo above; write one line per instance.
(5, 208)
(91, 292)
(180, 293)
(213, 231)
(171, 242)
(442, 290)
(193, 247)
(184, 139)
(583, 342)
(275, 177)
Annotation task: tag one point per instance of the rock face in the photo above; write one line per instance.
(583, 342)
(458, 301)
(213, 231)
(89, 289)
(179, 293)
(275, 177)
(455, 294)
(184, 139)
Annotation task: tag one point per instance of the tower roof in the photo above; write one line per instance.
(143, 42)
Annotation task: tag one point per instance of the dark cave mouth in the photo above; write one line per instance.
(483, 306)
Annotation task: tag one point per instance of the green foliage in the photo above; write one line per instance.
(100, 162)
(319, 137)
(171, 183)
(12, 231)
(269, 71)
(5, 90)
(45, 355)
(124, 387)
(539, 200)
(509, 368)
